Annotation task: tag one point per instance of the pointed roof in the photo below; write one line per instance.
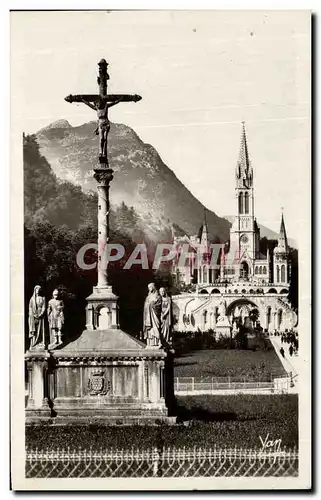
(244, 172)
(282, 239)
(203, 230)
(282, 236)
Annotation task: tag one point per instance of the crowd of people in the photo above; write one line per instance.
(291, 339)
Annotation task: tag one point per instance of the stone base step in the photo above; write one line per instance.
(105, 420)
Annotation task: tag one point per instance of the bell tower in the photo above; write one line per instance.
(281, 263)
(243, 232)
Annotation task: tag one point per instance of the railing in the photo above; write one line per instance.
(193, 385)
(239, 284)
(165, 462)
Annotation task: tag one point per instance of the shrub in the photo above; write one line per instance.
(225, 421)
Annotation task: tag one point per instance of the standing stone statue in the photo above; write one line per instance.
(37, 309)
(166, 316)
(222, 309)
(152, 315)
(55, 318)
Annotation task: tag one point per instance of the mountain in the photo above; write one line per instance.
(141, 178)
(265, 232)
(57, 124)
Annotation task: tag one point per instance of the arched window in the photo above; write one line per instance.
(260, 270)
(244, 270)
(246, 203)
(283, 273)
(264, 269)
(256, 270)
(236, 291)
(205, 317)
(241, 203)
(277, 274)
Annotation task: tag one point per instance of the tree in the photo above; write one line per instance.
(241, 338)
(47, 199)
(254, 315)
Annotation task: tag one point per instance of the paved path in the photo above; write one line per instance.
(290, 363)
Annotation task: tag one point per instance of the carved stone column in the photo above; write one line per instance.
(102, 296)
(103, 176)
(37, 364)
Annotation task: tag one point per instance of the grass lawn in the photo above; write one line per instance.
(231, 421)
(229, 362)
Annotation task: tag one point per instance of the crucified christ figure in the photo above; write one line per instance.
(103, 125)
(101, 103)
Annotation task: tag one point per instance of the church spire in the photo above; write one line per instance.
(204, 231)
(283, 240)
(205, 228)
(244, 172)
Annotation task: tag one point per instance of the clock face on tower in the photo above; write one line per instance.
(244, 238)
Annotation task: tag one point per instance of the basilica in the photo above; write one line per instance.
(221, 289)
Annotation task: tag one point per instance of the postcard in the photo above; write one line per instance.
(160, 250)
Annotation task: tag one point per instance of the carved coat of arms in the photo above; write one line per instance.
(98, 385)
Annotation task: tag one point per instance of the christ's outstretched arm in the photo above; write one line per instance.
(92, 106)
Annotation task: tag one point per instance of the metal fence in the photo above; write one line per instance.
(166, 462)
(193, 384)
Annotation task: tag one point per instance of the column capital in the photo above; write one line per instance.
(103, 175)
(39, 356)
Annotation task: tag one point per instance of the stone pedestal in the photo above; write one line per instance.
(223, 327)
(105, 376)
(109, 376)
(102, 309)
(37, 404)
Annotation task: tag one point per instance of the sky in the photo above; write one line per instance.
(200, 74)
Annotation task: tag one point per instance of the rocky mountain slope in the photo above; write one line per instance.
(141, 178)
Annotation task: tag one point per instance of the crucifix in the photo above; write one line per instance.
(102, 294)
(101, 103)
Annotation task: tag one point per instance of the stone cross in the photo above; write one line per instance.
(100, 103)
